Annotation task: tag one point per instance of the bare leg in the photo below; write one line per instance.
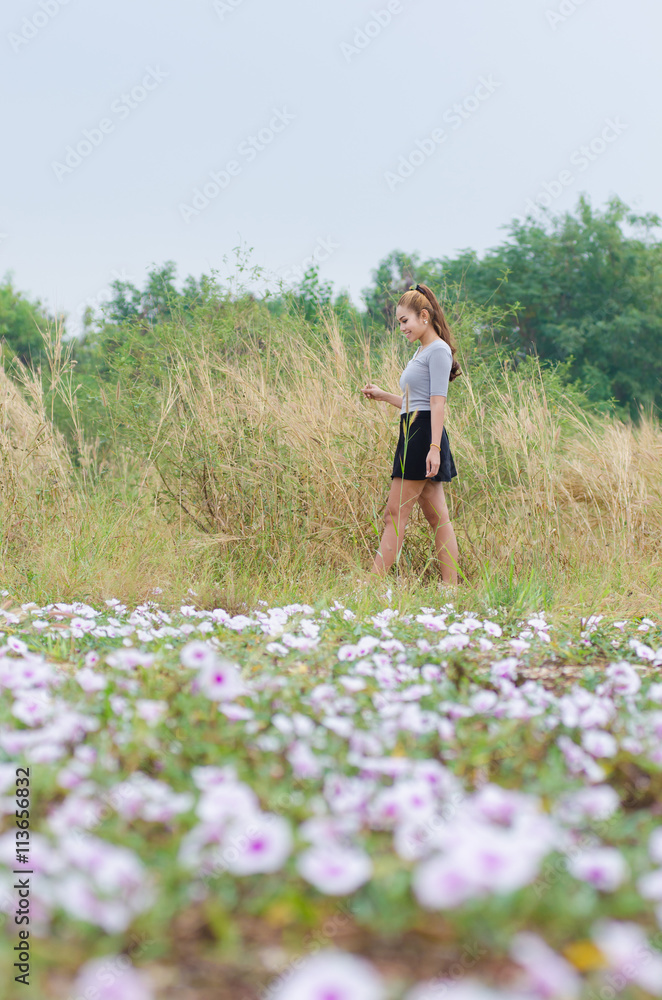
(401, 500)
(433, 504)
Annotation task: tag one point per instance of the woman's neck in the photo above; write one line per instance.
(431, 339)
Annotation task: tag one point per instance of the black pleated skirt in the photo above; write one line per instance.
(414, 445)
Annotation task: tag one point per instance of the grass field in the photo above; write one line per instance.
(251, 776)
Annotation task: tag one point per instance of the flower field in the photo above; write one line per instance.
(329, 803)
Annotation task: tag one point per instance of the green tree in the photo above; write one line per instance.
(582, 288)
(20, 321)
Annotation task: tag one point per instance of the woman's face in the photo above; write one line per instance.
(412, 326)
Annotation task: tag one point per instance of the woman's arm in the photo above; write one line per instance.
(437, 410)
(372, 391)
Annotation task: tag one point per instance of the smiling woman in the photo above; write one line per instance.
(423, 458)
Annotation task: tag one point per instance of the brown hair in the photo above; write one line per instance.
(421, 298)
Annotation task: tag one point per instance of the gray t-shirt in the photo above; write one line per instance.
(427, 374)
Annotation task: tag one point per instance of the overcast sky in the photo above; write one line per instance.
(342, 129)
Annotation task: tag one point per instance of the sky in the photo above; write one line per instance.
(142, 131)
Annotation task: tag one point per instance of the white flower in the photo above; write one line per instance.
(548, 974)
(197, 654)
(330, 975)
(466, 989)
(650, 885)
(112, 978)
(220, 680)
(151, 711)
(603, 867)
(655, 845)
(440, 883)
(226, 800)
(624, 678)
(599, 743)
(335, 870)
(624, 944)
(598, 803)
(89, 680)
(259, 844)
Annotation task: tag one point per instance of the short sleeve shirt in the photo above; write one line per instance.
(427, 374)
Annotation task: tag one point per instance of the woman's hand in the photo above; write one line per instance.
(432, 462)
(372, 391)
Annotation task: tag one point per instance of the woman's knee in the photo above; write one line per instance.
(435, 514)
(397, 512)
(393, 514)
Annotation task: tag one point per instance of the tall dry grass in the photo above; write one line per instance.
(267, 476)
(283, 465)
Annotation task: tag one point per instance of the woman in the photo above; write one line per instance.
(423, 459)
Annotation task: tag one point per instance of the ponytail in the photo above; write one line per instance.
(420, 297)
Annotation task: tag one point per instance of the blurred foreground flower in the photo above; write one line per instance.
(112, 978)
(331, 975)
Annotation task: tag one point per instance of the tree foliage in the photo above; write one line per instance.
(583, 288)
(20, 322)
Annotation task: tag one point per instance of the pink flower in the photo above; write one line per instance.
(548, 975)
(333, 870)
(596, 803)
(500, 861)
(112, 978)
(330, 975)
(220, 680)
(626, 950)
(655, 693)
(352, 683)
(151, 711)
(655, 846)
(196, 655)
(577, 760)
(90, 681)
(599, 743)
(467, 989)
(236, 713)
(440, 883)
(650, 885)
(504, 669)
(413, 840)
(518, 645)
(304, 762)
(17, 645)
(210, 777)
(225, 801)
(603, 867)
(259, 844)
(623, 677)
(483, 701)
(33, 709)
